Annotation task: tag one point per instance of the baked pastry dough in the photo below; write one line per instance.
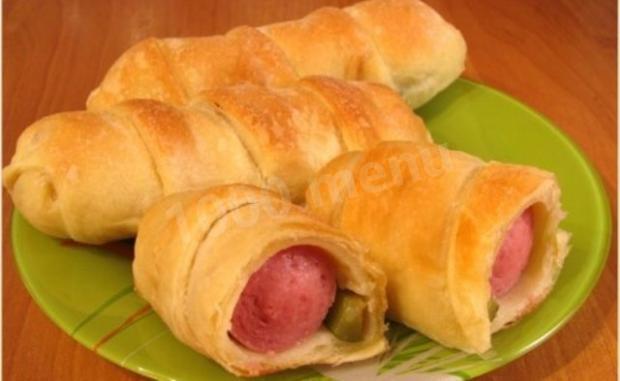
(90, 176)
(403, 44)
(435, 219)
(195, 252)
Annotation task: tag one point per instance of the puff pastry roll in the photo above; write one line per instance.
(403, 44)
(468, 247)
(90, 176)
(247, 279)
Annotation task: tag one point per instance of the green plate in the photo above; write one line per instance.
(88, 290)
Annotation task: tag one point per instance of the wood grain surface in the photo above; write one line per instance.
(557, 56)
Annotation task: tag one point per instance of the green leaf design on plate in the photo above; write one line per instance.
(88, 291)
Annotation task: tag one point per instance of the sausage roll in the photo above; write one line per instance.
(468, 247)
(256, 284)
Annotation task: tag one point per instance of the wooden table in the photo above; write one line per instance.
(557, 56)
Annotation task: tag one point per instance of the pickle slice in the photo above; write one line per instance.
(493, 307)
(345, 318)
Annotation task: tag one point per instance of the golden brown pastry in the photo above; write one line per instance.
(90, 176)
(468, 247)
(403, 44)
(247, 278)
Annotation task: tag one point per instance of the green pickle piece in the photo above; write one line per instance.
(345, 318)
(493, 307)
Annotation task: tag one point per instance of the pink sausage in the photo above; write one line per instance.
(285, 300)
(513, 254)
